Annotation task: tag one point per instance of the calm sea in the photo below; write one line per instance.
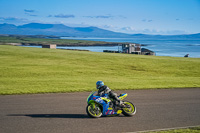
(175, 48)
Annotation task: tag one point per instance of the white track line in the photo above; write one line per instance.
(164, 129)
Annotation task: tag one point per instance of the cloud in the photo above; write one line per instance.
(33, 15)
(107, 26)
(108, 16)
(147, 20)
(132, 30)
(29, 11)
(12, 19)
(62, 16)
(100, 16)
(104, 16)
(128, 29)
(121, 16)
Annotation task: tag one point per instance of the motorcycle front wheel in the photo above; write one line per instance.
(93, 110)
(129, 109)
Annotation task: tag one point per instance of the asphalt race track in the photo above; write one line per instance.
(65, 113)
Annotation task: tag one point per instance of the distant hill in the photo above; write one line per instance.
(63, 30)
(58, 30)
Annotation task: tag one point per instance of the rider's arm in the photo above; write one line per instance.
(99, 93)
(107, 90)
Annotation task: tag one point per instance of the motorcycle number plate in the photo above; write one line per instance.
(99, 100)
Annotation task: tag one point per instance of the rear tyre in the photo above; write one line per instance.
(129, 109)
(94, 110)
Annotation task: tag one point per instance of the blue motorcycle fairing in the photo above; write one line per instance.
(105, 105)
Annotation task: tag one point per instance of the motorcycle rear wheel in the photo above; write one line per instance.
(94, 111)
(129, 109)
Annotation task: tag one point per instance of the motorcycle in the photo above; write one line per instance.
(103, 106)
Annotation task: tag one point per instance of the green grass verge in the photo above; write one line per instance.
(35, 70)
(187, 130)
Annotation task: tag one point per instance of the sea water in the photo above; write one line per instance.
(175, 48)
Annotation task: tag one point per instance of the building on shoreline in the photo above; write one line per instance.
(132, 48)
(51, 46)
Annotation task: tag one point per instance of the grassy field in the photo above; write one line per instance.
(36, 41)
(35, 70)
(188, 130)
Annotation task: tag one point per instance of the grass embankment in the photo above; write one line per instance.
(188, 130)
(39, 41)
(36, 70)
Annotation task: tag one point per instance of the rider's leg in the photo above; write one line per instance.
(115, 98)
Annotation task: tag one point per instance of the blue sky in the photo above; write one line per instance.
(127, 16)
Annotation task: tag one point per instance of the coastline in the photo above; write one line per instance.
(67, 45)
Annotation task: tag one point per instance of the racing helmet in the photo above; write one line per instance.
(99, 84)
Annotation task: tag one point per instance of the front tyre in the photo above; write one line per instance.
(129, 109)
(93, 110)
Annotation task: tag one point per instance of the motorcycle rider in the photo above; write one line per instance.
(103, 89)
